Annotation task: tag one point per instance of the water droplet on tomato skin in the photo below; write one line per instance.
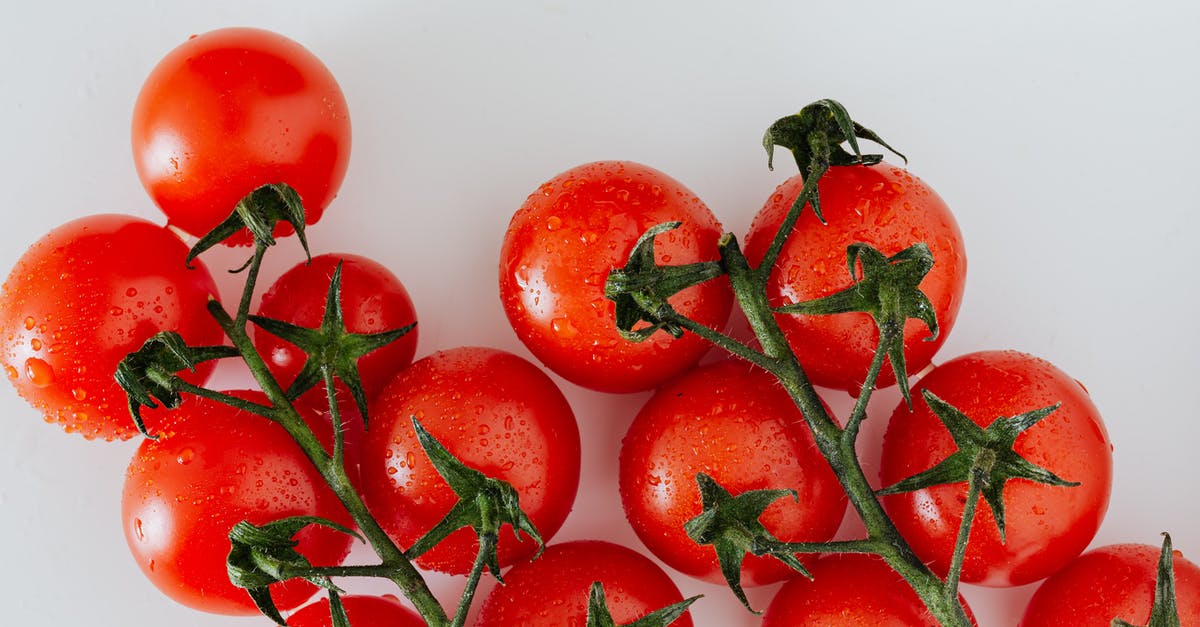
(137, 530)
(185, 456)
(29, 323)
(40, 373)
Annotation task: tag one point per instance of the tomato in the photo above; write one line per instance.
(1046, 526)
(83, 297)
(214, 467)
(552, 591)
(888, 208)
(733, 422)
(1115, 581)
(849, 590)
(373, 300)
(559, 249)
(361, 610)
(498, 414)
(234, 109)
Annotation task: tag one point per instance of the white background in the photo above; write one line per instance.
(1061, 134)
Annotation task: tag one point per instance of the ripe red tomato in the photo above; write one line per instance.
(559, 249)
(1047, 526)
(552, 591)
(234, 109)
(213, 467)
(883, 206)
(1115, 581)
(373, 300)
(83, 297)
(361, 610)
(496, 413)
(849, 590)
(734, 422)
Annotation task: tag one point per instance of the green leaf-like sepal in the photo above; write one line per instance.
(730, 524)
(259, 212)
(484, 504)
(888, 291)
(1165, 612)
(641, 289)
(988, 452)
(331, 347)
(599, 615)
(815, 136)
(149, 372)
(261, 555)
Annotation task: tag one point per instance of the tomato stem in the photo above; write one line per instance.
(487, 544)
(974, 487)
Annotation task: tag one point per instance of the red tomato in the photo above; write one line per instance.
(1112, 582)
(849, 590)
(552, 591)
(1047, 526)
(234, 109)
(373, 300)
(883, 206)
(559, 249)
(498, 414)
(82, 298)
(362, 610)
(214, 467)
(734, 422)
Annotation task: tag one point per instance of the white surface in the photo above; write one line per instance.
(1060, 133)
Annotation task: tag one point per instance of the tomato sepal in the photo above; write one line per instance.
(261, 555)
(149, 372)
(484, 503)
(988, 454)
(258, 212)
(1165, 612)
(730, 524)
(598, 614)
(331, 347)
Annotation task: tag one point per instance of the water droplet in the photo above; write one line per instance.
(185, 456)
(137, 529)
(553, 223)
(151, 565)
(11, 372)
(39, 372)
(410, 460)
(35, 344)
(79, 394)
(563, 328)
(131, 292)
(29, 323)
(116, 311)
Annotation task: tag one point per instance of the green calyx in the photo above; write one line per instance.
(262, 555)
(259, 212)
(330, 348)
(641, 289)
(888, 291)
(484, 504)
(599, 615)
(730, 524)
(815, 136)
(1165, 612)
(984, 456)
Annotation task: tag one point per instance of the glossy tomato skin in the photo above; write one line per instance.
(1047, 526)
(373, 300)
(734, 422)
(83, 297)
(881, 205)
(559, 249)
(213, 467)
(1110, 582)
(498, 414)
(552, 591)
(234, 109)
(364, 610)
(849, 590)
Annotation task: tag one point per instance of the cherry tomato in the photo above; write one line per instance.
(213, 467)
(552, 591)
(849, 590)
(883, 206)
(1046, 526)
(83, 297)
(234, 109)
(1115, 581)
(373, 300)
(498, 414)
(734, 422)
(559, 249)
(362, 610)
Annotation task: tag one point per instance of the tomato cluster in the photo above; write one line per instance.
(233, 110)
